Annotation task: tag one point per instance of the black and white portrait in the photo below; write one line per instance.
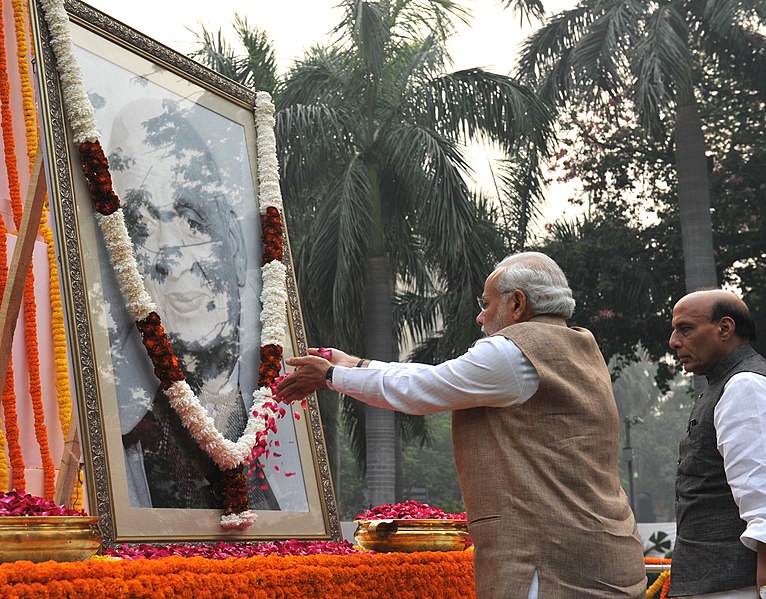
(181, 173)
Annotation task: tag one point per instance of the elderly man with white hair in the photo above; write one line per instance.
(535, 435)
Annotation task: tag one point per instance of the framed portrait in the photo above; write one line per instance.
(181, 144)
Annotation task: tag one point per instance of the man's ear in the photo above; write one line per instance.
(726, 326)
(237, 241)
(517, 305)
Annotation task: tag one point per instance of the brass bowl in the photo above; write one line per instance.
(412, 535)
(43, 538)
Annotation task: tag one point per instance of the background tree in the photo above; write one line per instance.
(253, 64)
(630, 231)
(370, 131)
(646, 50)
(628, 182)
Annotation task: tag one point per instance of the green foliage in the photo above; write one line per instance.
(370, 133)
(623, 279)
(429, 471)
(631, 231)
(256, 68)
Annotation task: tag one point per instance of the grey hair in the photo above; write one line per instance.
(542, 281)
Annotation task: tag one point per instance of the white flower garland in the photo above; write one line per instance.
(77, 105)
(80, 114)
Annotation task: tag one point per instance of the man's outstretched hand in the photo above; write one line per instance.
(335, 356)
(309, 375)
(310, 372)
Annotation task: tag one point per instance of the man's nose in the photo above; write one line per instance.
(674, 342)
(161, 264)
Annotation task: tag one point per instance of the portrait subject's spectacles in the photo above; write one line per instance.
(483, 304)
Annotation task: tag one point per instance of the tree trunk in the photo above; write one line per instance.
(381, 423)
(694, 206)
(694, 200)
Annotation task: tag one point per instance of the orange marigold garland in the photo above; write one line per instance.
(401, 575)
(30, 308)
(18, 479)
(27, 101)
(58, 336)
(662, 583)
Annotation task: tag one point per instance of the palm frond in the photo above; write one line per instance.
(662, 65)
(600, 55)
(526, 9)
(739, 48)
(521, 195)
(323, 76)
(430, 165)
(339, 246)
(215, 52)
(257, 69)
(416, 315)
(260, 61)
(314, 143)
(476, 104)
(415, 19)
(546, 60)
(369, 32)
(404, 243)
(414, 429)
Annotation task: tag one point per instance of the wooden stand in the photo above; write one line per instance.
(9, 312)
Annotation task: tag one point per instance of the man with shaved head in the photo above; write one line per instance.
(720, 548)
(535, 435)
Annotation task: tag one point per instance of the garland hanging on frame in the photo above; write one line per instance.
(230, 456)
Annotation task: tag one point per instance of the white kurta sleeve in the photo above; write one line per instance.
(740, 423)
(493, 373)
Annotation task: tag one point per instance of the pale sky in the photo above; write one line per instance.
(490, 41)
(294, 25)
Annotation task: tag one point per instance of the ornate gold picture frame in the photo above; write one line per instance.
(181, 141)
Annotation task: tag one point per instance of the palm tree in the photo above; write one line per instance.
(374, 176)
(256, 69)
(646, 50)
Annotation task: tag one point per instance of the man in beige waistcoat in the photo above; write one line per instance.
(535, 434)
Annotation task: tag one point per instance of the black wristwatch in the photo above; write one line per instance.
(328, 375)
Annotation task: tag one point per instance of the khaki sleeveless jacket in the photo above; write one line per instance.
(540, 480)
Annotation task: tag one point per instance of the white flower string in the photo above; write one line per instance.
(228, 455)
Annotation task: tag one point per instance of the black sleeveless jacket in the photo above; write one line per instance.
(708, 556)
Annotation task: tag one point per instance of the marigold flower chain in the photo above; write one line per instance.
(96, 169)
(271, 227)
(234, 491)
(166, 366)
(376, 576)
